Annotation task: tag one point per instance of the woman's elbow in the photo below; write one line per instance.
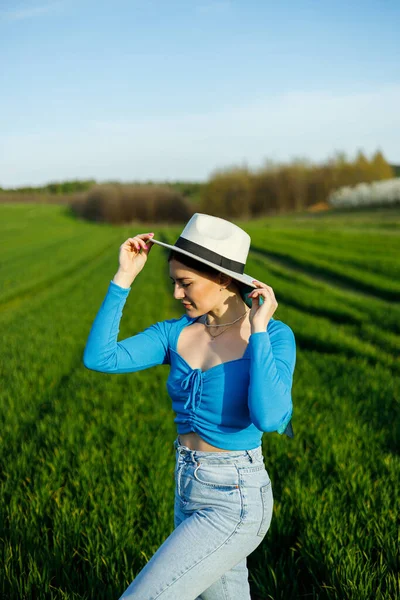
(92, 363)
(92, 366)
(267, 425)
(273, 419)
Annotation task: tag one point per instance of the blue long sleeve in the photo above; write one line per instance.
(272, 362)
(259, 389)
(105, 354)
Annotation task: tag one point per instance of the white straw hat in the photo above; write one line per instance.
(217, 243)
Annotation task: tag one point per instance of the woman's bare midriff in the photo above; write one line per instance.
(193, 441)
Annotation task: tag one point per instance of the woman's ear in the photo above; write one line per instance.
(224, 279)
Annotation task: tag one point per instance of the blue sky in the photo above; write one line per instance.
(172, 90)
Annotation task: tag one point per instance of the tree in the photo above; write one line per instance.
(380, 168)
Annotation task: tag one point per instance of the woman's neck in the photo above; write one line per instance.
(228, 311)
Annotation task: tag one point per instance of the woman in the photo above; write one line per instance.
(231, 372)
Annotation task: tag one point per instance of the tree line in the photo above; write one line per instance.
(234, 192)
(279, 188)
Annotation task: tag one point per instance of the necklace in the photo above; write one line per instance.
(223, 325)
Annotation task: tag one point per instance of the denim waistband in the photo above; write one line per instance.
(234, 456)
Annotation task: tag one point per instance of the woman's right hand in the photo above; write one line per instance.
(133, 253)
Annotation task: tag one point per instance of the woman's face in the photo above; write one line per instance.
(198, 292)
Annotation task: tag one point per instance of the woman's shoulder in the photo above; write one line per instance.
(178, 321)
(171, 327)
(168, 331)
(278, 328)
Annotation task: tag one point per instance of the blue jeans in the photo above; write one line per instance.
(223, 509)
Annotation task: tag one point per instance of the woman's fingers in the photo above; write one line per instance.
(145, 236)
(259, 285)
(262, 290)
(134, 242)
(139, 241)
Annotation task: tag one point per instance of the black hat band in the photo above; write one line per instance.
(206, 254)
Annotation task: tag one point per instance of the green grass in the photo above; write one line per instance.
(87, 459)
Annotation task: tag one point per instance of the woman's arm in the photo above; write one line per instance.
(105, 354)
(273, 358)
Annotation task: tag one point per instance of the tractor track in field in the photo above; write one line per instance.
(20, 253)
(45, 408)
(341, 283)
(15, 300)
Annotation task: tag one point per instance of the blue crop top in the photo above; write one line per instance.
(229, 405)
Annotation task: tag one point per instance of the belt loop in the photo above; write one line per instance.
(249, 455)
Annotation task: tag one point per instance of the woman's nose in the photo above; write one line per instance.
(178, 293)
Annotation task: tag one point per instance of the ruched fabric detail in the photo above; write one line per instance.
(194, 383)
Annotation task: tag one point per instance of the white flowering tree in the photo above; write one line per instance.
(377, 193)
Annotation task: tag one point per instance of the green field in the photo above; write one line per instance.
(87, 458)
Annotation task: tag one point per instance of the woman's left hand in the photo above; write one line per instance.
(260, 314)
